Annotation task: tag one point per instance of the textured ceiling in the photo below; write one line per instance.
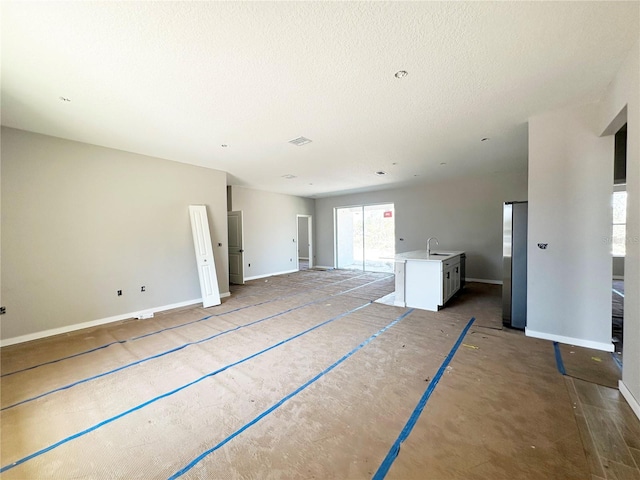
(177, 80)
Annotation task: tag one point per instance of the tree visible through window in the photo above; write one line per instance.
(619, 223)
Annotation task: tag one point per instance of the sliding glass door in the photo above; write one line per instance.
(365, 237)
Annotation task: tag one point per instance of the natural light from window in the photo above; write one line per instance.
(619, 224)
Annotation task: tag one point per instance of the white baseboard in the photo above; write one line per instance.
(324, 267)
(483, 280)
(303, 258)
(618, 277)
(94, 323)
(578, 342)
(631, 400)
(256, 277)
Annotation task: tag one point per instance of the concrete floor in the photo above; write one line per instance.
(302, 376)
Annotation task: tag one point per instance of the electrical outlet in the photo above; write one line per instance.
(143, 289)
(119, 293)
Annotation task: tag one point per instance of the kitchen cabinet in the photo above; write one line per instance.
(426, 281)
(450, 278)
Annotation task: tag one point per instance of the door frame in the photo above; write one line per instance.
(310, 235)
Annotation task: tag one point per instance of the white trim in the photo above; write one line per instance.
(618, 277)
(324, 267)
(578, 342)
(269, 275)
(631, 400)
(225, 295)
(94, 323)
(310, 239)
(483, 280)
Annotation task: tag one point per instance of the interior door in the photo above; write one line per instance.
(236, 257)
(204, 256)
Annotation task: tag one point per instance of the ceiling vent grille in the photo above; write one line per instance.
(300, 141)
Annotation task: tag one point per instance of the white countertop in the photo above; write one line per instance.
(421, 255)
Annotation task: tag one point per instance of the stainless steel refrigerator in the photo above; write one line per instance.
(514, 254)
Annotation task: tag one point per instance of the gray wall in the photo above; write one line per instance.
(80, 222)
(569, 283)
(269, 229)
(618, 266)
(622, 102)
(464, 214)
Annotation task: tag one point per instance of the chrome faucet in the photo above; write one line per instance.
(429, 244)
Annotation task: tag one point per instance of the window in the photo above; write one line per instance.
(619, 223)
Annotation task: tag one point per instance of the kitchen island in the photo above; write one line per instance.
(426, 280)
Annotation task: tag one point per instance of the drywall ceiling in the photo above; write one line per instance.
(178, 80)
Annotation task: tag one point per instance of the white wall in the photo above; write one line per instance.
(269, 229)
(80, 222)
(623, 92)
(464, 214)
(570, 185)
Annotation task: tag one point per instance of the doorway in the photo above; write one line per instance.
(365, 237)
(236, 249)
(618, 243)
(305, 242)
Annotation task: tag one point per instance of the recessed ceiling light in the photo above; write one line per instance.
(64, 99)
(401, 74)
(300, 141)
(381, 173)
(484, 139)
(288, 176)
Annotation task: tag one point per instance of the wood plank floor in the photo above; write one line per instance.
(301, 376)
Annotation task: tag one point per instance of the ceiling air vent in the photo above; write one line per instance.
(300, 141)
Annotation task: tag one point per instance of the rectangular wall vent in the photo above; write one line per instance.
(300, 141)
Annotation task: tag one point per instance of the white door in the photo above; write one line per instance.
(236, 257)
(204, 256)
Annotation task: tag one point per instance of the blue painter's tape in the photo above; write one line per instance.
(63, 358)
(614, 355)
(245, 307)
(404, 434)
(559, 362)
(155, 332)
(195, 461)
(164, 395)
(173, 350)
